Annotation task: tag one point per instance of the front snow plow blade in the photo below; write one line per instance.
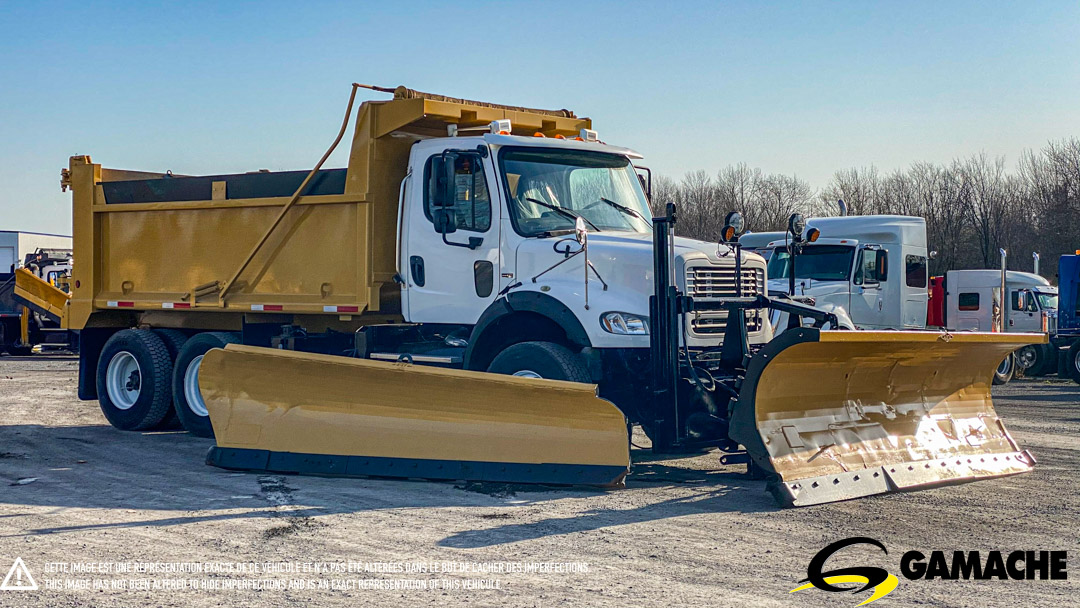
(295, 412)
(843, 414)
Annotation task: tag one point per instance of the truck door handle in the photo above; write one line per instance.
(416, 269)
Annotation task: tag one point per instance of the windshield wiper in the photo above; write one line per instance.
(626, 210)
(564, 212)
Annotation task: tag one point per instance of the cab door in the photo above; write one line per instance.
(450, 261)
(1024, 313)
(867, 293)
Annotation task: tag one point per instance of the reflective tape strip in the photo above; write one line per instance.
(176, 305)
(112, 304)
(266, 307)
(341, 309)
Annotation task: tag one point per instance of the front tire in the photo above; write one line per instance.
(541, 360)
(1005, 370)
(1036, 359)
(190, 408)
(133, 376)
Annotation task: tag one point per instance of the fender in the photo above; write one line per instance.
(532, 302)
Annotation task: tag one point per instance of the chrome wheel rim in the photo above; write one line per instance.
(192, 394)
(528, 373)
(123, 380)
(1005, 366)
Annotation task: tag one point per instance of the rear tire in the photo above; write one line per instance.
(190, 408)
(1072, 362)
(20, 351)
(133, 380)
(541, 360)
(174, 340)
(1005, 370)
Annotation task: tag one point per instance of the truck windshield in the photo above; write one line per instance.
(548, 188)
(1047, 301)
(816, 262)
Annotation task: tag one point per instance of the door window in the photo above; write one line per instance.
(872, 267)
(469, 197)
(1022, 301)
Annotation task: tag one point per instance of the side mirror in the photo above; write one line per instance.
(881, 268)
(581, 232)
(442, 193)
(445, 220)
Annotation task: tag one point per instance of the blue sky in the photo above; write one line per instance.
(800, 88)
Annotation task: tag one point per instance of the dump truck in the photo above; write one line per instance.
(483, 294)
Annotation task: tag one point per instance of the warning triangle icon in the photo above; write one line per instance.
(18, 578)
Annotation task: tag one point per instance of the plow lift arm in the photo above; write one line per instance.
(829, 415)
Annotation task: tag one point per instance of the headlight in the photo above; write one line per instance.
(624, 323)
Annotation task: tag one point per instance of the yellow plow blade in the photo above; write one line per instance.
(294, 412)
(843, 414)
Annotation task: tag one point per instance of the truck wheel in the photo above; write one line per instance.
(1037, 359)
(540, 360)
(20, 351)
(174, 340)
(133, 380)
(1005, 370)
(185, 381)
(1072, 362)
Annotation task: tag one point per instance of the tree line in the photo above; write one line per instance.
(973, 206)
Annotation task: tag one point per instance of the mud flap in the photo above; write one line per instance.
(835, 415)
(294, 412)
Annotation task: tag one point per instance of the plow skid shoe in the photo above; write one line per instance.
(294, 412)
(843, 414)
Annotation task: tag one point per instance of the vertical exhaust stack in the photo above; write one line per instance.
(1035, 262)
(1003, 313)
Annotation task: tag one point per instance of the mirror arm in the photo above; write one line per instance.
(474, 242)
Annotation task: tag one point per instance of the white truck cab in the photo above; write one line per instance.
(973, 300)
(870, 270)
(510, 238)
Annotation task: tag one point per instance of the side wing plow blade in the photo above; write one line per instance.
(294, 412)
(843, 414)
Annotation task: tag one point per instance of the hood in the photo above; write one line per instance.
(624, 259)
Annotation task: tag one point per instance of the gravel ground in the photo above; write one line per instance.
(687, 532)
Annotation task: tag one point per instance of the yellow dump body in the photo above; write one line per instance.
(162, 247)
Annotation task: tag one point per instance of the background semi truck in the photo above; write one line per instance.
(341, 321)
(871, 271)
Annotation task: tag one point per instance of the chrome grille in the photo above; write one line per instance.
(719, 282)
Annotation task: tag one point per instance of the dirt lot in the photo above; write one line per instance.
(686, 532)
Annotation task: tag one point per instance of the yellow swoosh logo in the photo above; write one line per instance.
(880, 591)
